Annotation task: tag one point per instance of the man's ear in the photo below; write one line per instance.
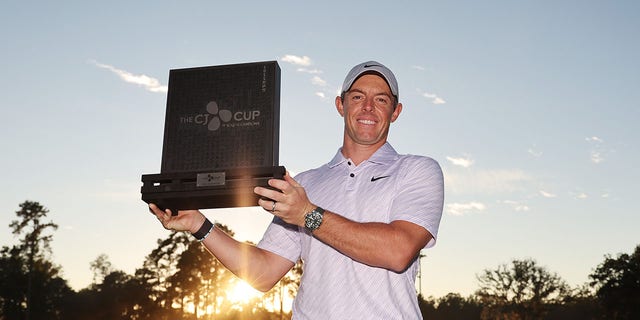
(339, 105)
(396, 112)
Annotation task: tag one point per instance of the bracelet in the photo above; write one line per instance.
(204, 230)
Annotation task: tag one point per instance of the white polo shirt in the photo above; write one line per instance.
(385, 188)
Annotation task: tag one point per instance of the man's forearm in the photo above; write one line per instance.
(260, 268)
(386, 245)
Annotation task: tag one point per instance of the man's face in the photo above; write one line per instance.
(368, 110)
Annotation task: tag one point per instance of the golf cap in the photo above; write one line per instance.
(371, 67)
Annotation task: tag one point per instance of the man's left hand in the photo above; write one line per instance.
(289, 202)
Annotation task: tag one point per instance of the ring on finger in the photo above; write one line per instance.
(273, 209)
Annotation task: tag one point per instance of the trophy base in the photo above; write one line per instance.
(207, 190)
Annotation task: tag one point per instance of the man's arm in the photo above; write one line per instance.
(391, 246)
(258, 267)
(386, 245)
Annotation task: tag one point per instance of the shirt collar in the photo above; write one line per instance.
(386, 154)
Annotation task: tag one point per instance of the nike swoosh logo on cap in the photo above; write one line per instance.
(378, 178)
(372, 65)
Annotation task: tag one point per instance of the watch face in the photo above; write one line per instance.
(313, 220)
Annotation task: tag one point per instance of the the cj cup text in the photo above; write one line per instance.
(203, 119)
(216, 117)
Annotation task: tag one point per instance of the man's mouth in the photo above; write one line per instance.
(365, 121)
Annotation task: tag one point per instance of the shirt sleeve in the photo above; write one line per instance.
(420, 196)
(282, 239)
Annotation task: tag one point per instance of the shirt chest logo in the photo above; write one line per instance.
(374, 178)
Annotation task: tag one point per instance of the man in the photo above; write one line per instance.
(358, 222)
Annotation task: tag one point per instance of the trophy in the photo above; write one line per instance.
(221, 137)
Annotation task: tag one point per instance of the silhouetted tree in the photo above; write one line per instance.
(100, 267)
(454, 306)
(617, 283)
(579, 305)
(427, 307)
(157, 268)
(200, 279)
(12, 283)
(37, 291)
(521, 291)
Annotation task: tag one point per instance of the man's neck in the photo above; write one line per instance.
(358, 152)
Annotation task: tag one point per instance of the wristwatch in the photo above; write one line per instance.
(313, 219)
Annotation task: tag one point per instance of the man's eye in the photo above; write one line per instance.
(382, 100)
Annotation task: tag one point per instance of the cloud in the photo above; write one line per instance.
(317, 81)
(149, 83)
(581, 195)
(517, 206)
(534, 152)
(421, 68)
(299, 61)
(486, 181)
(459, 209)
(305, 62)
(434, 98)
(596, 157)
(310, 71)
(596, 153)
(463, 162)
(547, 194)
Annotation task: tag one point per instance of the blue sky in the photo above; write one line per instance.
(530, 107)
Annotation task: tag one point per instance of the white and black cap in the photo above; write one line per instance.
(371, 67)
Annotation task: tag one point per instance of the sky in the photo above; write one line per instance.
(530, 107)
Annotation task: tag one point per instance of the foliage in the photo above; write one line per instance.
(30, 284)
(179, 279)
(100, 267)
(617, 283)
(35, 242)
(451, 306)
(521, 291)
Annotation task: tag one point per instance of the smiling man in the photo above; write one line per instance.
(357, 222)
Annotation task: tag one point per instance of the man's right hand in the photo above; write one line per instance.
(186, 220)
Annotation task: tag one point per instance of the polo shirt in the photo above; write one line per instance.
(385, 188)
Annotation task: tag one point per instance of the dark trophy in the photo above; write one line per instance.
(221, 137)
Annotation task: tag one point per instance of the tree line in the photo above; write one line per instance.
(179, 279)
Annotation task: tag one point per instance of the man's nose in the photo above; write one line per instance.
(368, 105)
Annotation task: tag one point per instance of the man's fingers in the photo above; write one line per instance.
(269, 193)
(290, 180)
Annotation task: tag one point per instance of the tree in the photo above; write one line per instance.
(12, 282)
(157, 268)
(427, 307)
(617, 283)
(42, 290)
(181, 273)
(522, 291)
(100, 267)
(454, 306)
(200, 279)
(580, 305)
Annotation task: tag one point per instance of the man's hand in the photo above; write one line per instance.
(187, 220)
(290, 203)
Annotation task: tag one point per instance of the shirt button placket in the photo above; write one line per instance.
(351, 180)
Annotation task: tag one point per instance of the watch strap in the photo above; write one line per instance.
(204, 230)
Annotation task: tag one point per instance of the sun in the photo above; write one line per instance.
(242, 292)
